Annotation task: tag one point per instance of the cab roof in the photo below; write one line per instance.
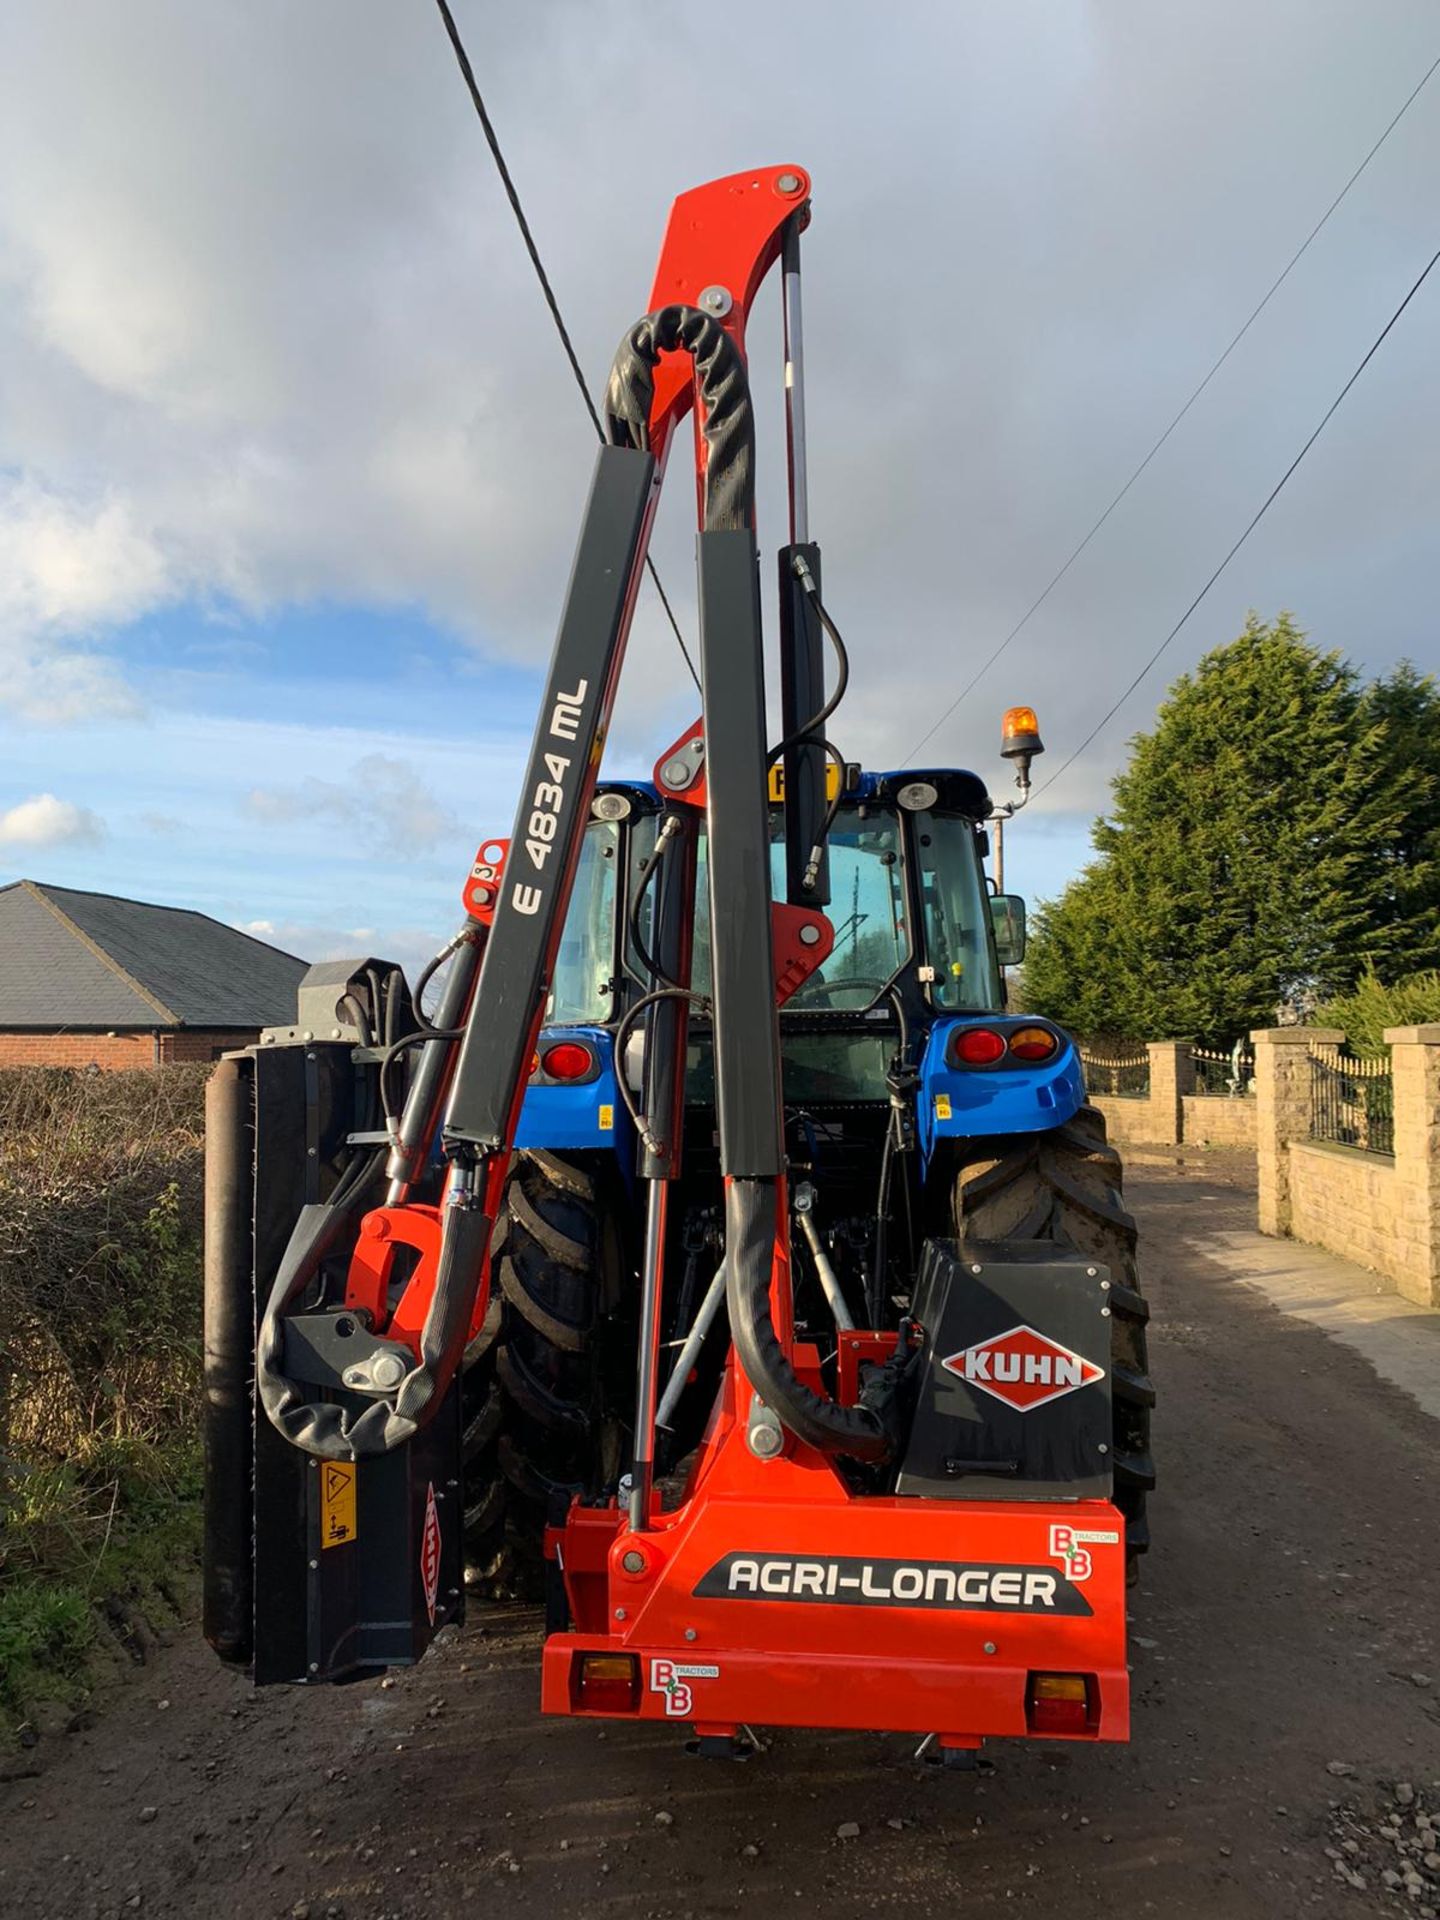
(959, 791)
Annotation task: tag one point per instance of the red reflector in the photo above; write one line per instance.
(567, 1060)
(609, 1682)
(1033, 1043)
(1058, 1703)
(977, 1046)
(1058, 1716)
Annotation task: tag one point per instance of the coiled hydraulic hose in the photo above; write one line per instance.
(728, 425)
(325, 1427)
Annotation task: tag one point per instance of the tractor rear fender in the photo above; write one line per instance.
(1009, 1096)
(577, 1115)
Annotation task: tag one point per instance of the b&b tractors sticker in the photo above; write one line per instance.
(673, 1680)
(1071, 1545)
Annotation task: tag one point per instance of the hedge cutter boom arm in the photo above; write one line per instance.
(687, 351)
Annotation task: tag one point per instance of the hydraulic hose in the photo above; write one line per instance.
(855, 1432)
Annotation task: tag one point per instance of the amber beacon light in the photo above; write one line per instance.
(1020, 741)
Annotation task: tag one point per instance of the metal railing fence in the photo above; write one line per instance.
(1124, 1076)
(1352, 1101)
(1224, 1072)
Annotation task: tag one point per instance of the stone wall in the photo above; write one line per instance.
(1343, 1200)
(1378, 1209)
(1172, 1113)
(1217, 1120)
(1127, 1122)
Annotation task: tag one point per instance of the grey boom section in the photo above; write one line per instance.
(747, 1041)
(554, 803)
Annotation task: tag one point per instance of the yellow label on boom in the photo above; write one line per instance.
(337, 1503)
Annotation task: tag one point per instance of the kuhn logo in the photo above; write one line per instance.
(1023, 1368)
(430, 1553)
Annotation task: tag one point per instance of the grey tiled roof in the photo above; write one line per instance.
(73, 959)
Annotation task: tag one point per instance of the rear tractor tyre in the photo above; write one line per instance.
(540, 1419)
(1065, 1186)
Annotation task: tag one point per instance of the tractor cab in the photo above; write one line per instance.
(921, 938)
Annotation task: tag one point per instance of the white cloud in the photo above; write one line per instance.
(384, 800)
(67, 568)
(273, 336)
(45, 821)
(408, 947)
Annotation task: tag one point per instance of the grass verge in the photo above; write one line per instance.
(100, 1289)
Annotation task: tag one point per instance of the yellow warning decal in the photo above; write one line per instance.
(607, 1119)
(337, 1503)
(942, 1106)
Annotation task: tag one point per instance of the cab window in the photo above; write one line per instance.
(958, 942)
(867, 909)
(580, 992)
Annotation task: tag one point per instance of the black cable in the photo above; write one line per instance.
(622, 1034)
(377, 1005)
(809, 734)
(1275, 287)
(1273, 494)
(362, 1020)
(394, 987)
(898, 1000)
(801, 735)
(876, 1291)
(393, 1053)
(513, 196)
(650, 866)
(357, 1175)
(427, 973)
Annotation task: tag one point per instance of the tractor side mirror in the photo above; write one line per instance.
(1007, 918)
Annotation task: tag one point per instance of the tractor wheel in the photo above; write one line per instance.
(541, 1421)
(1065, 1186)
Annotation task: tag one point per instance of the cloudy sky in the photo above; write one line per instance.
(291, 465)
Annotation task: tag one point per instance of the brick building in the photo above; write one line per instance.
(90, 980)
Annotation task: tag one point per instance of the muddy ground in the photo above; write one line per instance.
(1286, 1742)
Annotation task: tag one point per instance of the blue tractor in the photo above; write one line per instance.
(916, 1105)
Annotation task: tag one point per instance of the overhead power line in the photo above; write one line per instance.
(513, 196)
(1264, 508)
(1275, 286)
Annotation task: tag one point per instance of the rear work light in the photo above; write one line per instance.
(1033, 1043)
(1058, 1703)
(607, 1682)
(977, 1046)
(567, 1060)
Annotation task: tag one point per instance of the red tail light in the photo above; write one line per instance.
(1058, 1703)
(977, 1046)
(567, 1060)
(607, 1682)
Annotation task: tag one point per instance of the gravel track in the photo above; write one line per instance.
(1286, 1659)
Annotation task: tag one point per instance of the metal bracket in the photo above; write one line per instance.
(338, 1350)
(764, 1434)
